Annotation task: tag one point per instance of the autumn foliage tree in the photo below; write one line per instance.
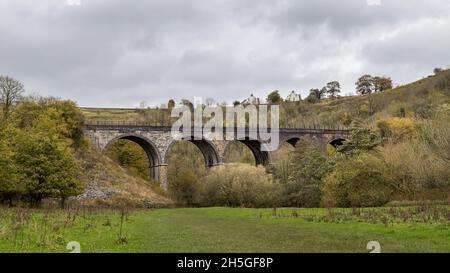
(37, 142)
(11, 185)
(382, 83)
(48, 167)
(367, 84)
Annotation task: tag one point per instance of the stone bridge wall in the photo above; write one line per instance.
(157, 141)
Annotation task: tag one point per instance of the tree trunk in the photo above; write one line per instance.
(63, 202)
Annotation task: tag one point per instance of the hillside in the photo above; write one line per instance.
(110, 184)
(407, 124)
(417, 99)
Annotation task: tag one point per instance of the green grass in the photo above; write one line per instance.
(213, 230)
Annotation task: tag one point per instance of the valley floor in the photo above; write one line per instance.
(217, 230)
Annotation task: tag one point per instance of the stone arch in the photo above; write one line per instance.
(337, 141)
(148, 146)
(293, 141)
(206, 147)
(261, 157)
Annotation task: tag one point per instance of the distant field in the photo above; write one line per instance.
(224, 230)
(152, 116)
(111, 113)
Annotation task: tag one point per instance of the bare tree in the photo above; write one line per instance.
(10, 92)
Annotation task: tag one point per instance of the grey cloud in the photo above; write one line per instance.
(117, 53)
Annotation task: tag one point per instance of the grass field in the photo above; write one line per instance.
(224, 230)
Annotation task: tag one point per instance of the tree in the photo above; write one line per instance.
(274, 97)
(367, 84)
(130, 156)
(322, 93)
(362, 139)
(171, 104)
(10, 92)
(10, 180)
(42, 151)
(437, 70)
(61, 117)
(48, 167)
(314, 95)
(333, 89)
(364, 85)
(381, 84)
(236, 103)
(309, 167)
(36, 159)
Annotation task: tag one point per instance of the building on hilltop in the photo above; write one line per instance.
(251, 100)
(293, 97)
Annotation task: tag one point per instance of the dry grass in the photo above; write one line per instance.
(104, 174)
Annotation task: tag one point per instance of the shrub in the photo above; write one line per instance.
(184, 187)
(362, 139)
(397, 129)
(400, 110)
(238, 185)
(358, 181)
(309, 166)
(435, 136)
(186, 166)
(415, 169)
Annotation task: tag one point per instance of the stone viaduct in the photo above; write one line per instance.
(157, 142)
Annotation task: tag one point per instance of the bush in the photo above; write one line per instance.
(435, 136)
(184, 187)
(308, 167)
(396, 129)
(359, 181)
(238, 185)
(415, 169)
(362, 139)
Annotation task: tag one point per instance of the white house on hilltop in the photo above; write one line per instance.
(251, 100)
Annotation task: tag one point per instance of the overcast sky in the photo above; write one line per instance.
(111, 53)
